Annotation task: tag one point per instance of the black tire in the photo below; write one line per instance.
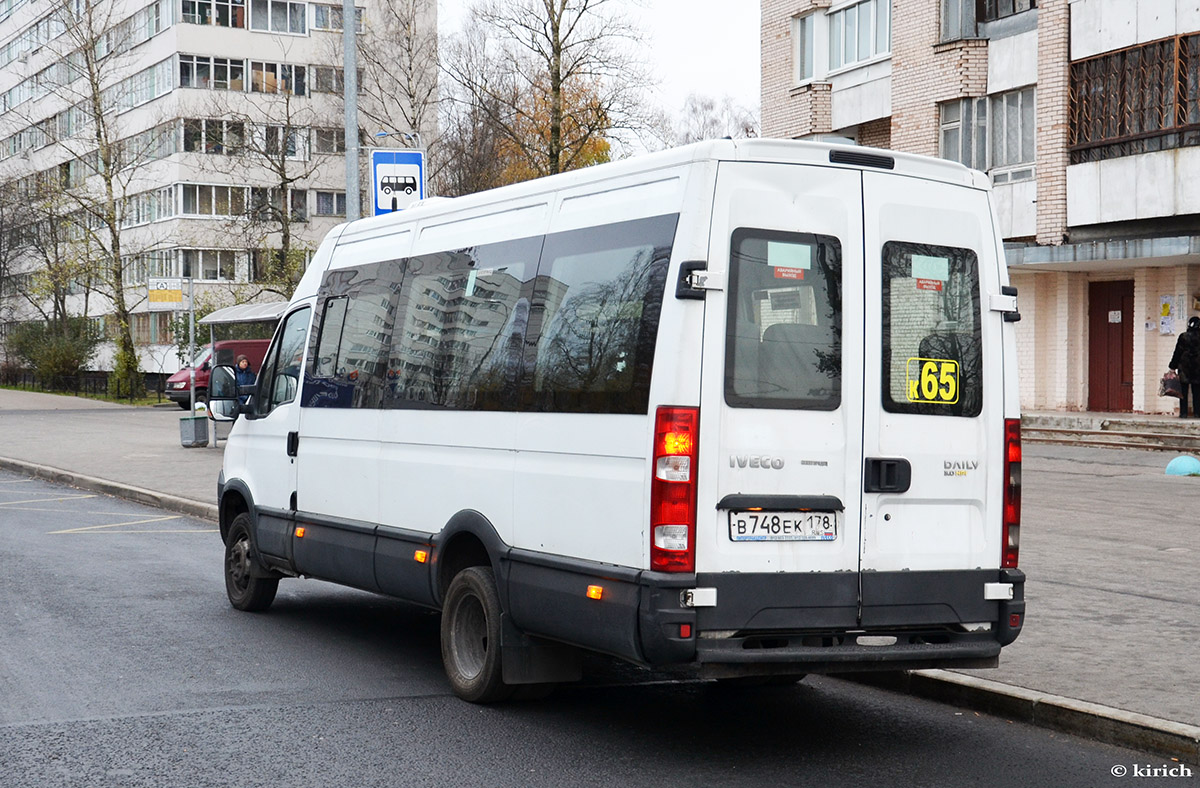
(184, 405)
(471, 637)
(202, 396)
(246, 592)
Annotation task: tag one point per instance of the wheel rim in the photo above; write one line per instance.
(237, 564)
(469, 636)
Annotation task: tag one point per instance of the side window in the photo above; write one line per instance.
(349, 354)
(281, 372)
(932, 350)
(784, 324)
(596, 304)
(461, 328)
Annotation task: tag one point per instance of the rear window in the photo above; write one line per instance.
(932, 351)
(783, 333)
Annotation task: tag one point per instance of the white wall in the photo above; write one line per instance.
(1104, 25)
(1012, 62)
(1145, 186)
(862, 94)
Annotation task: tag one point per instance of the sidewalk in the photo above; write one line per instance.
(1110, 546)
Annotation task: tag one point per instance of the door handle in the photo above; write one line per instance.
(887, 474)
(293, 443)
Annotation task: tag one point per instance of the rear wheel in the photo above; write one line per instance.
(246, 591)
(471, 637)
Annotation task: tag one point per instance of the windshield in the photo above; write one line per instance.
(203, 355)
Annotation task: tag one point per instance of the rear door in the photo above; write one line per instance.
(933, 424)
(779, 487)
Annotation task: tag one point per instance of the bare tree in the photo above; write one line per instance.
(706, 118)
(399, 52)
(554, 77)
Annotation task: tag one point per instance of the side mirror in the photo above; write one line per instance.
(222, 384)
(223, 410)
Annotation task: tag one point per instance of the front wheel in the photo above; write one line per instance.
(246, 591)
(471, 637)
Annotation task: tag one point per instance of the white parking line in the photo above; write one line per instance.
(48, 500)
(143, 521)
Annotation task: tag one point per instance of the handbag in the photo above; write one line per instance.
(1170, 386)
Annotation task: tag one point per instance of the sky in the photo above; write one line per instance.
(710, 47)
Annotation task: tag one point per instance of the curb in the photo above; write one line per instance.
(204, 511)
(1090, 720)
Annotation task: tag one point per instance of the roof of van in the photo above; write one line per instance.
(764, 150)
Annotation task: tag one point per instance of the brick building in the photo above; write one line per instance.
(1086, 116)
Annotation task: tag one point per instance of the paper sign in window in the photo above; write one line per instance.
(789, 261)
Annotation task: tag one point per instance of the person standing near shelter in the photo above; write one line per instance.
(245, 376)
(1186, 361)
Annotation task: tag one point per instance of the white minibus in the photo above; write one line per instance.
(747, 408)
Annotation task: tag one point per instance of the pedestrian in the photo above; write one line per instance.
(1186, 361)
(245, 376)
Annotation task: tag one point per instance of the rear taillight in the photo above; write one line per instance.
(673, 490)
(1012, 493)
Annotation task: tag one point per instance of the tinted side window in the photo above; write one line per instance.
(596, 304)
(784, 324)
(932, 350)
(460, 328)
(349, 354)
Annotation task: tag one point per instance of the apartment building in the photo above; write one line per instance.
(1086, 116)
(229, 121)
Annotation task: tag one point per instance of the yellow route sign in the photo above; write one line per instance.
(165, 294)
(932, 380)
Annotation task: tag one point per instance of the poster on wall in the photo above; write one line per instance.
(1166, 317)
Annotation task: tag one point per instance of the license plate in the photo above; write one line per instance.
(783, 526)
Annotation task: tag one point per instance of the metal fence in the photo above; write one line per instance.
(85, 384)
(1136, 100)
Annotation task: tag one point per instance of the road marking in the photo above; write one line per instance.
(48, 500)
(117, 525)
(17, 481)
(160, 531)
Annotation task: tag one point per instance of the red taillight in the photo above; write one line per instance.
(673, 490)
(1012, 493)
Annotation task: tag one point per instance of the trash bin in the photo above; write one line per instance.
(193, 431)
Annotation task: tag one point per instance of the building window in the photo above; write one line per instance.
(958, 19)
(207, 200)
(331, 203)
(211, 73)
(278, 78)
(278, 16)
(859, 32)
(1013, 137)
(998, 9)
(210, 264)
(210, 135)
(224, 13)
(802, 54)
(1138, 100)
(964, 132)
(329, 17)
(265, 205)
(329, 141)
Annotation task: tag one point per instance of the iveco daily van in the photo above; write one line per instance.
(745, 406)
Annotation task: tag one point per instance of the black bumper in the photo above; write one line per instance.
(829, 622)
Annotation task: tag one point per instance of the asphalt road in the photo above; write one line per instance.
(122, 664)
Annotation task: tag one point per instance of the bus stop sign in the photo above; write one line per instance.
(398, 177)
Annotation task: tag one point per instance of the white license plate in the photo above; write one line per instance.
(783, 526)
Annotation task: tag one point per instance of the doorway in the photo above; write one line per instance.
(1110, 346)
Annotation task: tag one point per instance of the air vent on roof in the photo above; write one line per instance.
(860, 159)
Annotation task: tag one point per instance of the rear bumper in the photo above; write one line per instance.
(806, 623)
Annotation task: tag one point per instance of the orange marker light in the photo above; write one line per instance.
(421, 556)
(300, 533)
(595, 592)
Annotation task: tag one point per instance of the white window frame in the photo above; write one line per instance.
(281, 17)
(974, 156)
(1019, 106)
(804, 61)
(839, 36)
(336, 203)
(962, 14)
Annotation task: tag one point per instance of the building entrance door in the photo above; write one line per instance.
(1110, 346)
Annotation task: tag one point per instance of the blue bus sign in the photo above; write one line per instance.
(398, 178)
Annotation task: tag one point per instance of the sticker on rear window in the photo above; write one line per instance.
(932, 380)
(930, 272)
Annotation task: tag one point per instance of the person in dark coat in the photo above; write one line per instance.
(245, 376)
(1186, 361)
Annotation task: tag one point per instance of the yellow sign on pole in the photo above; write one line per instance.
(165, 295)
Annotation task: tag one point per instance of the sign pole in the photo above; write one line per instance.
(192, 342)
